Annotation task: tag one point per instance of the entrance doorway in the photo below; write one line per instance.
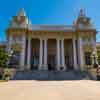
(51, 62)
(51, 54)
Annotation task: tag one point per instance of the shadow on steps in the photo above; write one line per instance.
(51, 75)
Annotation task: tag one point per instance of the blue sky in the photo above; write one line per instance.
(49, 12)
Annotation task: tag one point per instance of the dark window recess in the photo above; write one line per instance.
(26, 50)
(88, 60)
(76, 42)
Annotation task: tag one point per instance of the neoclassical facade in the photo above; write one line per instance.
(51, 47)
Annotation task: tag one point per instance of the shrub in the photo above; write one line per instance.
(3, 58)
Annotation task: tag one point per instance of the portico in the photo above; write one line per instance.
(49, 53)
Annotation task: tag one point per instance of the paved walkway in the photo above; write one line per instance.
(50, 90)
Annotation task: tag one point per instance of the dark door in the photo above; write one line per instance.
(51, 62)
(34, 62)
(68, 62)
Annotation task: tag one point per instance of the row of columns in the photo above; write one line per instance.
(60, 53)
(43, 54)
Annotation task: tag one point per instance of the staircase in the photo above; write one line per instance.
(51, 75)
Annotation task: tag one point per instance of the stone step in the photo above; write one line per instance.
(50, 75)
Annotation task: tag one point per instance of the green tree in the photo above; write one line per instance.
(3, 58)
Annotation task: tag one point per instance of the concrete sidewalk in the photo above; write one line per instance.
(50, 90)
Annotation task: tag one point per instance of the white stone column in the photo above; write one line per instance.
(94, 49)
(58, 54)
(80, 53)
(62, 55)
(41, 55)
(9, 43)
(29, 53)
(45, 55)
(22, 55)
(74, 55)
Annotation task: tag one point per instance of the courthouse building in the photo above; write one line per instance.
(52, 47)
